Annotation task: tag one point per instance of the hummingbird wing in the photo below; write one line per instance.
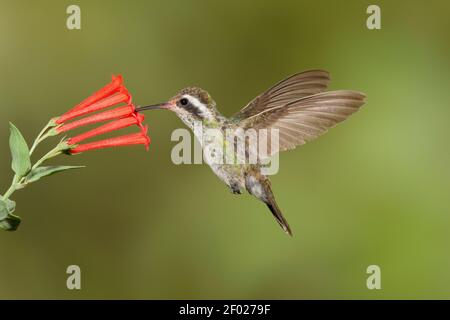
(292, 88)
(299, 117)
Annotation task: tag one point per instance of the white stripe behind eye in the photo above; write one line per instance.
(204, 111)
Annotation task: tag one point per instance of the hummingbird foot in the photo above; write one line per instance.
(235, 188)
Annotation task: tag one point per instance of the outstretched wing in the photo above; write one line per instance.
(305, 118)
(296, 86)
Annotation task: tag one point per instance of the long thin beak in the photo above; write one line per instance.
(153, 107)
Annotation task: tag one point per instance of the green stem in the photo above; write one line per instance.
(19, 182)
(11, 189)
(35, 144)
(42, 135)
(52, 153)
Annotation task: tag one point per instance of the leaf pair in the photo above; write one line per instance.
(8, 221)
(21, 162)
(24, 174)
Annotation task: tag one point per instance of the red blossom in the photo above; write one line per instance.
(131, 139)
(123, 116)
(122, 96)
(115, 113)
(134, 119)
(109, 89)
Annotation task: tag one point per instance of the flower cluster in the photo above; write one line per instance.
(125, 115)
(111, 105)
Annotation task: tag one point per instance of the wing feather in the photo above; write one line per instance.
(296, 86)
(307, 118)
(299, 109)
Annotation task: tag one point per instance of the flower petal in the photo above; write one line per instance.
(119, 112)
(109, 89)
(111, 126)
(122, 96)
(131, 139)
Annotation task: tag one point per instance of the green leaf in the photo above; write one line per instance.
(10, 205)
(10, 223)
(20, 153)
(3, 210)
(41, 172)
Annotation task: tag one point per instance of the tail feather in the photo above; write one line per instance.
(279, 216)
(259, 186)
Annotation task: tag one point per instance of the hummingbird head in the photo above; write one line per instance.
(190, 104)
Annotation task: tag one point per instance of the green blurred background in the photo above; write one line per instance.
(374, 190)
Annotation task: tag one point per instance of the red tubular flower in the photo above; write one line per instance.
(122, 96)
(115, 113)
(123, 116)
(131, 139)
(134, 119)
(111, 88)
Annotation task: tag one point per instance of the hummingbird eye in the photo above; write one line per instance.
(184, 102)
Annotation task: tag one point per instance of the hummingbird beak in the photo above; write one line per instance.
(164, 105)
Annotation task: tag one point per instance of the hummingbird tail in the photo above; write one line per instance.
(279, 216)
(259, 186)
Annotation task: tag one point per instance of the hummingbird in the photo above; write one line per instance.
(299, 107)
